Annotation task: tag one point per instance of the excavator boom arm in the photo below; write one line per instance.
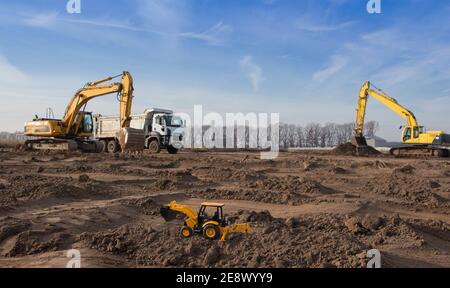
(126, 100)
(93, 90)
(385, 99)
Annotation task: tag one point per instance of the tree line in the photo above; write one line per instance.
(314, 135)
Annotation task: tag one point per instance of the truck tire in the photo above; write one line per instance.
(172, 150)
(112, 146)
(105, 144)
(99, 147)
(154, 147)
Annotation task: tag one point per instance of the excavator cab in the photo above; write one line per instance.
(86, 122)
(412, 134)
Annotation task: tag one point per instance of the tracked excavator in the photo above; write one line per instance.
(416, 142)
(211, 227)
(75, 130)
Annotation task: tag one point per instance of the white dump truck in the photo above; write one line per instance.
(162, 130)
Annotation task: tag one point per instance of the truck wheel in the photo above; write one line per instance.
(172, 150)
(104, 145)
(153, 147)
(99, 146)
(211, 232)
(112, 146)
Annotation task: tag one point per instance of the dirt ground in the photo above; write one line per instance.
(307, 209)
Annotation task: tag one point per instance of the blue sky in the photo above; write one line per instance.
(304, 59)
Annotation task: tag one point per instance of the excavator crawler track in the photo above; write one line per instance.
(64, 145)
(420, 152)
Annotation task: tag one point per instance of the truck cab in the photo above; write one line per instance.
(163, 130)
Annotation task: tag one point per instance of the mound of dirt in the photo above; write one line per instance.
(292, 184)
(244, 216)
(34, 242)
(408, 169)
(16, 238)
(290, 190)
(35, 187)
(348, 149)
(413, 189)
(376, 231)
(162, 164)
(227, 174)
(147, 205)
(310, 242)
(11, 226)
(175, 180)
(339, 170)
(290, 198)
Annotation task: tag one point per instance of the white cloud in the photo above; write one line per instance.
(213, 36)
(312, 26)
(164, 24)
(395, 74)
(10, 73)
(167, 16)
(338, 62)
(252, 71)
(107, 23)
(46, 20)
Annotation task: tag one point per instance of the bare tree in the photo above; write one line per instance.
(371, 128)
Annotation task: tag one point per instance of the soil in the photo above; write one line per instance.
(351, 150)
(306, 209)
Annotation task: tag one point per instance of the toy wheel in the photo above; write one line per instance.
(211, 232)
(186, 232)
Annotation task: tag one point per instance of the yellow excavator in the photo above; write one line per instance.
(200, 222)
(74, 131)
(416, 141)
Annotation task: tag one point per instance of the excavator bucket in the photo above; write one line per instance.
(359, 141)
(168, 214)
(131, 139)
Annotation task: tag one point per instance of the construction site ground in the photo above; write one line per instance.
(307, 209)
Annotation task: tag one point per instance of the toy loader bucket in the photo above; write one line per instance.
(168, 214)
(359, 141)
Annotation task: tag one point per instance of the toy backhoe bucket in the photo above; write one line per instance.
(168, 214)
(359, 141)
